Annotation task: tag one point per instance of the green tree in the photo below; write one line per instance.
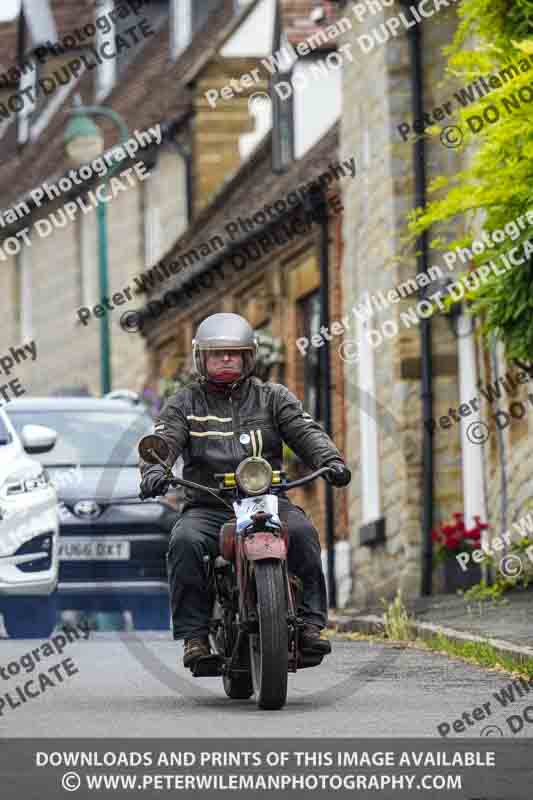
(497, 184)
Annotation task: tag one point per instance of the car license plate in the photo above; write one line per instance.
(105, 548)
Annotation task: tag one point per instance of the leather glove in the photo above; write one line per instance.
(155, 482)
(339, 474)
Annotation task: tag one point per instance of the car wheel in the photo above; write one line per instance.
(30, 617)
(152, 615)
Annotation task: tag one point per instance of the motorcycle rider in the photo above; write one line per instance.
(216, 422)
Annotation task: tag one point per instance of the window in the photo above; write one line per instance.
(283, 123)
(368, 415)
(313, 85)
(89, 438)
(269, 356)
(313, 367)
(155, 13)
(23, 295)
(186, 18)
(201, 12)
(180, 26)
(87, 276)
(9, 10)
(28, 83)
(39, 18)
(152, 219)
(107, 70)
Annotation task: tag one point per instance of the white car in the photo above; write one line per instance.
(29, 533)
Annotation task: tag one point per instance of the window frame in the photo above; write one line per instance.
(23, 284)
(107, 71)
(181, 27)
(313, 360)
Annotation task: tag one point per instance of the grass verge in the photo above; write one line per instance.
(477, 653)
(480, 653)
(399, 630)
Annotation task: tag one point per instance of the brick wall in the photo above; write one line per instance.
(69, 352)
(376, 100)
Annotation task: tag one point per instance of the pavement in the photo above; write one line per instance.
(507, 625)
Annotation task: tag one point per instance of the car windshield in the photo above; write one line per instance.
(5, 436)
(88, 438)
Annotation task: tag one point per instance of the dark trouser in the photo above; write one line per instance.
(195, 534)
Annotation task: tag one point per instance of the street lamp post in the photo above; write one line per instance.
(83, 142)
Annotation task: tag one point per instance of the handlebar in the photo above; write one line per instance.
(279, 487)
(282, 487)
(306, 479)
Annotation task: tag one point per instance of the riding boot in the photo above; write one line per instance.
(193, 650)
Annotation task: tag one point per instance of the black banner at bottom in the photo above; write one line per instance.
(392, 769)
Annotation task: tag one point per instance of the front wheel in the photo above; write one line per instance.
(269, 649)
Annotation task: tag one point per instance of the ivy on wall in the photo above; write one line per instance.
(497, 185)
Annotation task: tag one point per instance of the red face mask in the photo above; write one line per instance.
(225, 372)
(225, 375)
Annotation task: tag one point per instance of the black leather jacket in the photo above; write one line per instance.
(215, 431)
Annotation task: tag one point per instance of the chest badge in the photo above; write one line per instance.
(244, 438)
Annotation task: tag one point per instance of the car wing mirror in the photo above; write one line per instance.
(38, 439)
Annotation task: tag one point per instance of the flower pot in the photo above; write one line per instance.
(456, 578)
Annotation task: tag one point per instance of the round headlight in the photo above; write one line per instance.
(254, 475)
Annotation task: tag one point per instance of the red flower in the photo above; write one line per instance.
(448, 529)
(455, 537)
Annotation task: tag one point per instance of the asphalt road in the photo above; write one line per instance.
(132, 684)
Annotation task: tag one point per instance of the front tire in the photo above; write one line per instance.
(269, 649)
(30, 617)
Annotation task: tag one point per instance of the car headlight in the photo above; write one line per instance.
(254, 475)
(25, 481)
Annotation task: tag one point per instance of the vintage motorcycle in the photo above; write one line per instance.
(253, 629)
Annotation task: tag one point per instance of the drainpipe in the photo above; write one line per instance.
(21, 50)
(103, 288)
(414, 36)
(326, 389)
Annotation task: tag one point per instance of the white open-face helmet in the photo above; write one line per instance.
(224, 332)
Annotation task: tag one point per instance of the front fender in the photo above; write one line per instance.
(264, 545)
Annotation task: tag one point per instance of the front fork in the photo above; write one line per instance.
(293, 588)
(295, 623)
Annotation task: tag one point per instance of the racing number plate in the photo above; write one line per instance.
(84, 548)
(248, 506)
